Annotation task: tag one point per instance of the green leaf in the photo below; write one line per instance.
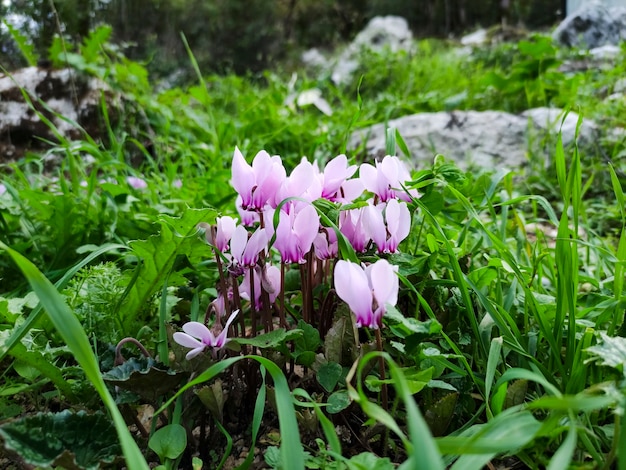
(23, 43)
(169, 442)
(611, 352)
(369, 461)
(405, 326)
(273, 339)
(37, 360)
(439, 414)
(143, 377)
(338, 401)
(157, 255)
(340, 342)
(416, 379)
(328, 375)
(307, 345)
(65, 439)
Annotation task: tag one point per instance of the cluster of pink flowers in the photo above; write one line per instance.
(277, 215)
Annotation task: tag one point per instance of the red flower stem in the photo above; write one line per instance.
(119, 359)
(237, 302)
(252, 306)
(281, 311)
(381, 365)
(223, 285)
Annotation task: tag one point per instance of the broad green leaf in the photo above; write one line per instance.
(405, 326)
(338, 401)
(306, 346)
(157, 255)
(63, 439)
(273, 339)
(439, 414)
(340, 341)
(143, 377)
(169, 442)
(369, 461)
(328, 375)
(611, 352)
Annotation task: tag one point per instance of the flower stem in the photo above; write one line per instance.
(281, 311)
(252, 306)
(381, 365)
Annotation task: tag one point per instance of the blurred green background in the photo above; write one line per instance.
(247, 35)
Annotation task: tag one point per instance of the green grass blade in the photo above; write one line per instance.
(492, 365)
(563, 456)
(74, 335)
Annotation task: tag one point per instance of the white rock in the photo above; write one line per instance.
(58, 95)
(477, 38)
(483, 139)
(382, 33)
(592, 26)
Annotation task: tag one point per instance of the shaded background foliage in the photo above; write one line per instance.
(250, 35)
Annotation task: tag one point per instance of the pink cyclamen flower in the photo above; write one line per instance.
(367, 291)
(245, 251)
(303, 182)
(295, 233)
(335, 174)
(225, 227)
(259, 182)
(325, 244)
(387, 179)
(3, 189)
(388, 224)
(136, 183)
(353, 224)
(248, 218)
(198, 337)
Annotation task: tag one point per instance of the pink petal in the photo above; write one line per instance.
(198, 330)
(187, 341)
(225, 228)
(193, 353)
(222, 338)
(352, 287)
(242, 179)
(384, 282)
(368, 175)
(375, 225)
(238, 243)
(306, 226)
(389, 168)
(256, 244)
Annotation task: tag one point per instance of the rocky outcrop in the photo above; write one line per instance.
(65, 99)
(382, 33)
(482, 139)
(592, 26)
